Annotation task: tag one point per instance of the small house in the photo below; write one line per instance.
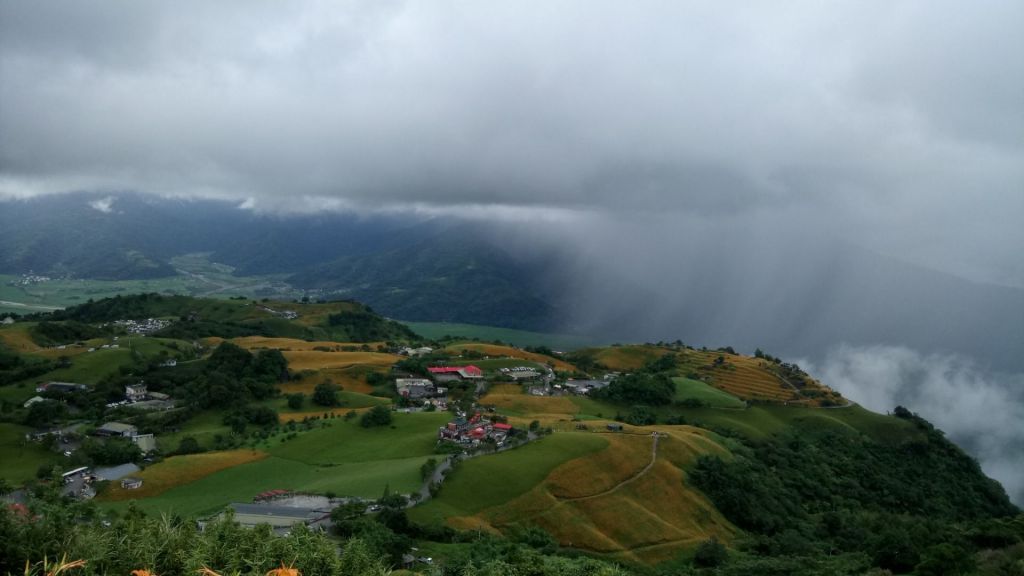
(135, 393)
(131, 483)
(145, 442)
(117, 429)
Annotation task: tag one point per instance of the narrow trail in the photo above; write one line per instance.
(654, 458)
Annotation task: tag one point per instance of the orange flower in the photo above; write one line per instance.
(284, 571)
(142, 573)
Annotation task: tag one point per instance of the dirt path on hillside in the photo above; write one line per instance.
(633, 478)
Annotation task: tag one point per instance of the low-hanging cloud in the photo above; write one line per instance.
(895, 126)
(979, 409)
(704, 167)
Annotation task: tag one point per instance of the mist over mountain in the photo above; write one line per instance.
(837, 184)
(793, 298)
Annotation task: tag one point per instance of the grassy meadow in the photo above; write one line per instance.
(180, 470)
(241, 483)
(340, 457)
(562, 342)
(488, 481)
(20, 459)
(346, 441)
(504, 352)
(687, 388)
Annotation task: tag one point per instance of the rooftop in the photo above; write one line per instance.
(277, 511)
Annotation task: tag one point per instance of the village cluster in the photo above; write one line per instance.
(282, 508)
(142, 327)
(29, 279)
(572, 386)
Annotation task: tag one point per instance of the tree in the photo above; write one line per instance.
(113, 451)
(710, 553)
(295, 400)
(44, 413)
(641, 416)
(326, 394)
(640, 388)
(189, 445)
(379, 415)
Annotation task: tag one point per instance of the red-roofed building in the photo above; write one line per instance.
(502, 427)
(465, 372)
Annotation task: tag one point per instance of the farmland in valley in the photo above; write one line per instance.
(180, 470)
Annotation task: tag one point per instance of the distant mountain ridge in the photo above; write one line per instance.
(416, 269)
(471, 271)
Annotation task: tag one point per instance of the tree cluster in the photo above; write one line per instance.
(377, 416)
(233, 376)
(908, 505)
(639, 388)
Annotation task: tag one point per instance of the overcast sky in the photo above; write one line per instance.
(895, 125)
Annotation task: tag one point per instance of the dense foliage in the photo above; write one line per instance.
(837, 491)
(14, 367)
(326, 394)
(169, 546)
(56, 333)
(111, 451)
(233, 376)
(362, 325)
(377, 416)
(639, 388)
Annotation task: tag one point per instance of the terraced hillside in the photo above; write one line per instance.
(744, 377)
(627, 501)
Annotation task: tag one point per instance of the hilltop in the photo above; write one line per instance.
(650, 456)
(191, 317)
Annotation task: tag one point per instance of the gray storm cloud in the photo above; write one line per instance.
(979, 409)
(710, 171)
(895, 126)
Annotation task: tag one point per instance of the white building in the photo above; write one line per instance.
(135, 393)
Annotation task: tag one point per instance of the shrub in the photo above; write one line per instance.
(326, 394)
(377, 416)
(710, 553)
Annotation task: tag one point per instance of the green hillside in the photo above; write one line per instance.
(343, 321)
(686, 461)
(439, 330)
